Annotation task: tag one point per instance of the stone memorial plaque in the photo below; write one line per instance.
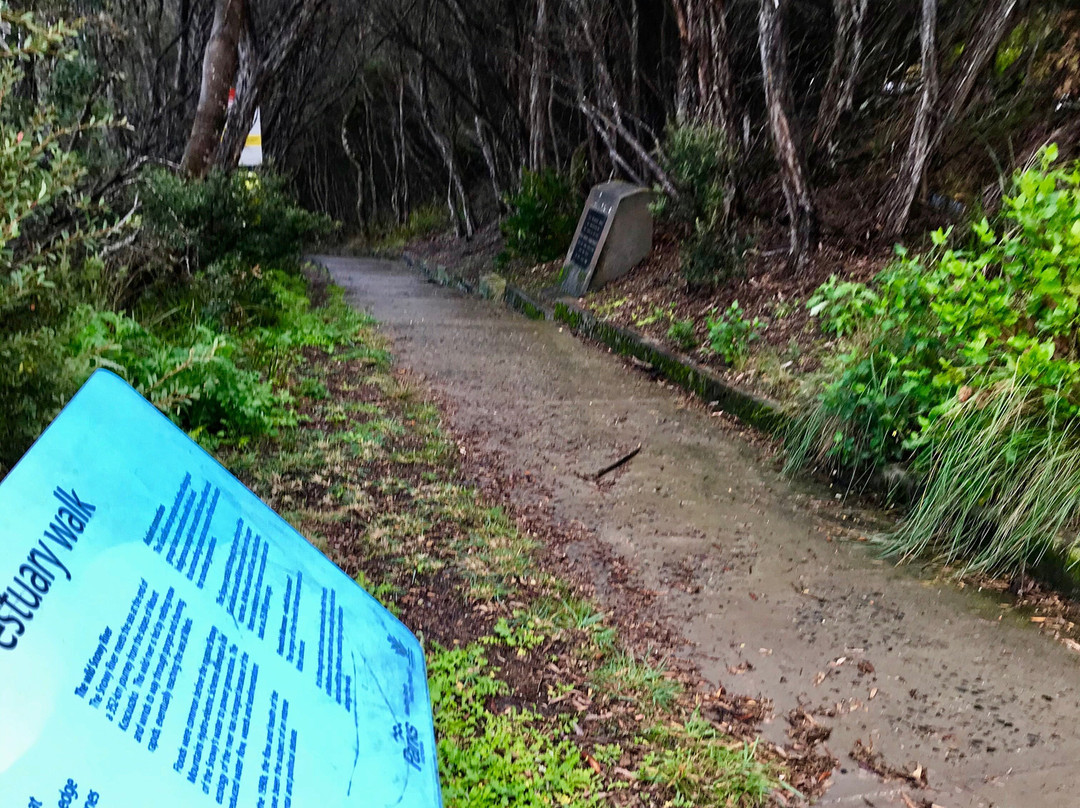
(167, 640)
(613, 236)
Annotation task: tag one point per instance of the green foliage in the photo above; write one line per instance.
(711, 257)
(543, 218)
(700, 164)
(48, 228)
(246, 217)
(842, 307)
(730, 334)
(488, 758)
(38, 375)
(625, 676)
(1001, 485)
(963, 354)
(681, 332)
(198, 383)
(703, 767)
(421, 222)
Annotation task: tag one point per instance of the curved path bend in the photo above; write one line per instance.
(741, 560)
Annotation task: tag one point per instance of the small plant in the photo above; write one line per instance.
(499, 758)
(702, 767)
(658, 314)
(842, 307)
(543, 216)
(730, 334)
(627, 677)
(682, 334)
(710, 258)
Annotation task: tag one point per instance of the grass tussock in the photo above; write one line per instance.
(1001, 486)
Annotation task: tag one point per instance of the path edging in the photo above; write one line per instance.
(679, 369)
(1057, 567)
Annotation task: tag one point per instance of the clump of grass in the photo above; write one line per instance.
(625, 676)
(703, 767)
(1001, 485)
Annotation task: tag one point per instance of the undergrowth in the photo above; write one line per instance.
(964, 365)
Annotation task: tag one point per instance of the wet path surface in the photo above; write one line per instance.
(775, 607)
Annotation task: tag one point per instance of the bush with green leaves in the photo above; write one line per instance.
(543, 217)
(969, 353)
(711, 257)
(200, 382)
(700, 164)
(49, 229)
(681, 332)
(842, 307)
(730, 334)
(243, 217)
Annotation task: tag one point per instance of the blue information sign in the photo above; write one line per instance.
(167, 640)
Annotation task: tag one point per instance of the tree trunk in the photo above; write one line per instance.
(932, 120)
(994, 24)
(800, 203)
(241, 115)
(704, 53)
(537, 106)
(898, 211)
(354, 158)
(257, 66)
(839, 94)
(463, 222)
(219, 69)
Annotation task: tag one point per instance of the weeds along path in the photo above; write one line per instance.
(769, 583)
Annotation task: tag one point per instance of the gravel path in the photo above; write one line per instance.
(773, 591)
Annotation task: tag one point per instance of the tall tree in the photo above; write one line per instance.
(219, 68)
(913, 166)
(839, 93)
(802, 213)
(935, 115)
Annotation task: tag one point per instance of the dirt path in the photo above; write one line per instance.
(774, 600)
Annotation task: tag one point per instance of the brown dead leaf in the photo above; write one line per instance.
(593, 762)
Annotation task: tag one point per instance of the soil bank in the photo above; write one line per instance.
(766, 578)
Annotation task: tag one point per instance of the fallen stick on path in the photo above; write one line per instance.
(626, 458)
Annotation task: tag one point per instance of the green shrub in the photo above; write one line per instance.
(700, 164)
(710, 258)
(38, 375)
(244, 216)
(842, 307)
(48, 228)
(969, 356)
(543, 218)
(730, 334)
(681, 332)
(200, 382)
